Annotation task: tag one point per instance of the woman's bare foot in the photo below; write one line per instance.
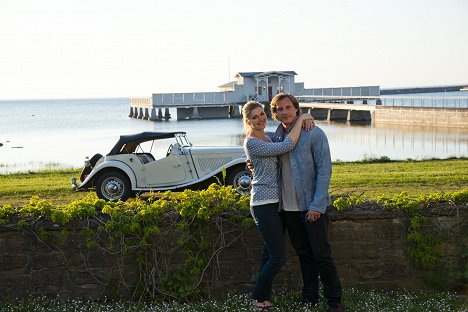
(262, 305)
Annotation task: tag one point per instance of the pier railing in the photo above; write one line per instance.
(333, 99)
(144, 102)
(455, 102)
(195, 99)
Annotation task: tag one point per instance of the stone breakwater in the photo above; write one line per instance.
(443, 117)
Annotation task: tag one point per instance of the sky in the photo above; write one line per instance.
(120, 48)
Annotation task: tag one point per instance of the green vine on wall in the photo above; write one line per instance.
(346, 202)
(425, 242)
(205, 222)
(424, 253)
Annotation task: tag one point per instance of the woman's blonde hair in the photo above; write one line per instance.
(246, 110)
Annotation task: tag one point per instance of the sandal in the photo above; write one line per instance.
(262, 305)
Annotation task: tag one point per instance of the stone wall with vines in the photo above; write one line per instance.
(198, 244)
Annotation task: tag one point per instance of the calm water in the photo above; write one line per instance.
(55, 133)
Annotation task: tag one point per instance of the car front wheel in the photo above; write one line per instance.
(240, 178)
(112, 186)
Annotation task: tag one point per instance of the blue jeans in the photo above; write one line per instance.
(310, 240)
(270, 226)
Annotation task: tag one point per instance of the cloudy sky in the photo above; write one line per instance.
(116, 48)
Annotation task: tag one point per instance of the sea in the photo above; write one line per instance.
(53, 134)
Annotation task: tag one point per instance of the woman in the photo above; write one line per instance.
(264, 201)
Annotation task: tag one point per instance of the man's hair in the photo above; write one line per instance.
(279, 97)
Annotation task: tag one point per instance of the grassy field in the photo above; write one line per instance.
(416, 177)
(368, 178)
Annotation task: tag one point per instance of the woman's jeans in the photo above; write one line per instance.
(270, 225)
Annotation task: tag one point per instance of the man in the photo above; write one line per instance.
(305, 178)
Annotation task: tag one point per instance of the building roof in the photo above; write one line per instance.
(265, 74)
(229, 84)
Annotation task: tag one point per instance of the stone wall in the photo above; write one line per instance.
(421, 116)
(369, 245)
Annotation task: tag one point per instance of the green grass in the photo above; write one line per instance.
(415, 177)
(354, 300)
(52, 185)
(369, 177)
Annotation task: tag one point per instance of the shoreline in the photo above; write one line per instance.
(61, 167)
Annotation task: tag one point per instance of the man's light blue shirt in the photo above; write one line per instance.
(311, 167)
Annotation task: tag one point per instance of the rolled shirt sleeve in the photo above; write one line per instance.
(323, 168)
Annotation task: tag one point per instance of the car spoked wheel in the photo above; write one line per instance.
(241, 179)
(113, 186)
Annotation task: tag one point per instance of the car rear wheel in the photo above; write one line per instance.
(240, 178)
(112, 186)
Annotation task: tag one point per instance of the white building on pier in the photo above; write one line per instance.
(259, 86)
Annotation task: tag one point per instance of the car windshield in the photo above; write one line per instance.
(145, 147)
(182, 140)
(157, 148)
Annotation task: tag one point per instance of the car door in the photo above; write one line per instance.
(164, 172)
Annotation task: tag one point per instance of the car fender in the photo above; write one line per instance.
(109, 165)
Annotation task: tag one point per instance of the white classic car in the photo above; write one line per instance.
(131, 166)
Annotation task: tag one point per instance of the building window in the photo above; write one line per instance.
(259, 90)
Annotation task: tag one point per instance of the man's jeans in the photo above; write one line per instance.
(310, 240)
(270, 226)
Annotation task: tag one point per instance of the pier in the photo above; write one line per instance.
(333, 111)
(434, 111)
(212, 105)
(142, 108)
(361, 103)
(332, 108)
(227, 102)
(442, 112)
(188, 106)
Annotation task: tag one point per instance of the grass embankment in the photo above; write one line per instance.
(393, 177)
(369, 179)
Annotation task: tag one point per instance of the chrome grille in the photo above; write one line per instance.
(209, 164)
